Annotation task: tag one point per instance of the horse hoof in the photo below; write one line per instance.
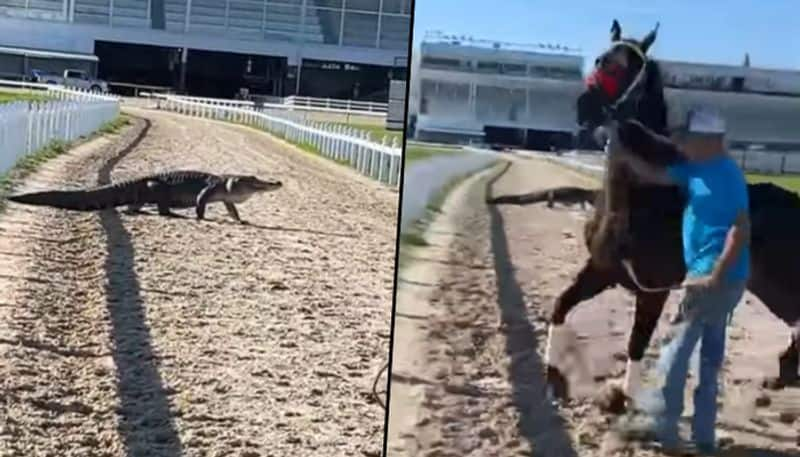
(787, 370)
(557, 385)
(774, 383)
(612, 399)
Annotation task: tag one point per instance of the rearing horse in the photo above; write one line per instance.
(634, 236)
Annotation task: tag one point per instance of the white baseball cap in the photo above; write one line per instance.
(704, 120)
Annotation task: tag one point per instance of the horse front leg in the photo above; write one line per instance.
(788, 362)
(649, 307)
(589, 282)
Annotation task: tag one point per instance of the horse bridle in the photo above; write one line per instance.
(612, 109)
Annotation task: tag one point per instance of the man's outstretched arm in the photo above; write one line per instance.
(649, 155)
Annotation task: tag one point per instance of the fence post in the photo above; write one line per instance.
(359, 152)
(376, 161)
(396, 147)
(392, 170)
(339, 142)
(366, 154)
(345, 143)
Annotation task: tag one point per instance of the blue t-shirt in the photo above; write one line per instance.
(717, 191)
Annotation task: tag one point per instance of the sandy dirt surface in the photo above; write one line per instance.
(472, 384)
(125, 335)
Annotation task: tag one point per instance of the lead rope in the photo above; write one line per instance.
(629, 268)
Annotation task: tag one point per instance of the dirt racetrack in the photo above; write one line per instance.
(126, 335)
(467, 376)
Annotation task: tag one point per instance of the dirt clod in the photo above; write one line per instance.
(763, 401)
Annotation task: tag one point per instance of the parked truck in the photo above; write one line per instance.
(77, 79)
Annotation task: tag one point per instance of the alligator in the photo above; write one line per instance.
(173, 189)
(563, 195)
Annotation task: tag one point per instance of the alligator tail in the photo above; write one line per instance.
(99, 198)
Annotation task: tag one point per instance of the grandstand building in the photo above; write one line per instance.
(321, 48)
(497, 93)
(761, 106)
(501, 93)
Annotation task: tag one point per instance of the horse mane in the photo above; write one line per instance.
(653, 98)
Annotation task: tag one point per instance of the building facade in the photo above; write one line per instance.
(505, 93)
(337, 48)
(463, 89)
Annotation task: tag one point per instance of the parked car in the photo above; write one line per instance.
(78, 79)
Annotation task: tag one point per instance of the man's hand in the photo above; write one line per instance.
(701, 282)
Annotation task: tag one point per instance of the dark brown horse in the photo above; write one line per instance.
(643, 223)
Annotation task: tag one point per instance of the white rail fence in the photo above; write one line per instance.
(292, 103)
(381, 161)
(335, 104)
(57, 92)
(768, 162)
(26, 127)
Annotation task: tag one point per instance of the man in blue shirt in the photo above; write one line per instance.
(716, 234)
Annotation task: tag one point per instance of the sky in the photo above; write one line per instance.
(707, 31)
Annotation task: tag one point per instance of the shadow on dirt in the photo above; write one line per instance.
(539, 422)
(145, 423)
(746, 451)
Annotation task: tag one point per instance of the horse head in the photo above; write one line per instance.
(625, 84)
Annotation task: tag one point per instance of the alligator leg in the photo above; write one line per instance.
(203, 198)
(162, 203)
(164, 210)
(234, 214)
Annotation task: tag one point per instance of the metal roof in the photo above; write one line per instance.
(47, 54)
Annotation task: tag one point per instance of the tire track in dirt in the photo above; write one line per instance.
(263, 339)
(481, 378)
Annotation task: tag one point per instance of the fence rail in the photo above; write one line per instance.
(768, 162)
(380, 161)
(331, 103)
(59, 92)
(292, 103)
(26, 127)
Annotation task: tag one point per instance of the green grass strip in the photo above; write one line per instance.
(9, 96)
(789, 182)
(377, 131)
(416, 153)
